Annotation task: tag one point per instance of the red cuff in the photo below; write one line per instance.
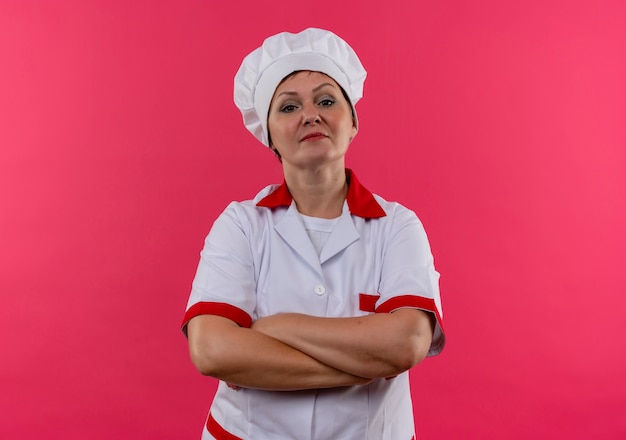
(412, 301)
(220, 309)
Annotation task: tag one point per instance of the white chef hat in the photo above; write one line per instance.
(281, 54)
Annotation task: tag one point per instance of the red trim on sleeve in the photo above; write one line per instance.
(217, 431)
(361, 202)
(367, 302)
(413, 301)
(221, 309)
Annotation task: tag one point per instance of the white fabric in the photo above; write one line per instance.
(281, 54)
(318, 230)
(261, 261)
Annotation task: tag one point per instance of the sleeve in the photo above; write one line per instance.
(409, 278)
(224, 283)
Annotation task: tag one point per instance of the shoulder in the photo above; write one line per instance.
(247, 211)
(396, 213)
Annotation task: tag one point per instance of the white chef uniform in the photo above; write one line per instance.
(258, 261)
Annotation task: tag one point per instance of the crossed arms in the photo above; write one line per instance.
(292, 351)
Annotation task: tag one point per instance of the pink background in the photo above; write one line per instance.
(502, 124)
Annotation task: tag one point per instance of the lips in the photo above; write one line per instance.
(311, 137)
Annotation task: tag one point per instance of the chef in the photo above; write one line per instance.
(313, 299)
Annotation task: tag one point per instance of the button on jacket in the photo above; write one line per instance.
(258, 261)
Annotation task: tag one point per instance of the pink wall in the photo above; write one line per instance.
(500, 123)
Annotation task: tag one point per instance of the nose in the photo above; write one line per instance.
(310, 115)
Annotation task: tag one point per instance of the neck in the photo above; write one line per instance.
(318, 192)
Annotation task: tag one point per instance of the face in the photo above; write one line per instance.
(310, 122)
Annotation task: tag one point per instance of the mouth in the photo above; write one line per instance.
(312, 137)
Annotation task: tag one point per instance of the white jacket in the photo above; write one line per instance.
(258, 261)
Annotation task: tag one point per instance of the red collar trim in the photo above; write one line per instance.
(361, 202)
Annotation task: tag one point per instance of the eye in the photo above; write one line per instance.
(287, 108)
(327, 102)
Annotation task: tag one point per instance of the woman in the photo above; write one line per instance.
(313, 300)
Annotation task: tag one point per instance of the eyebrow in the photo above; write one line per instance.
(315, 89)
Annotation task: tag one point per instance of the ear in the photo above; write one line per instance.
(276, 153)
(354, 130)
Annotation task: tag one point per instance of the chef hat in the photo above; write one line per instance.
(282, 54)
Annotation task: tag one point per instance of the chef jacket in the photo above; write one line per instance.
(258, 261)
